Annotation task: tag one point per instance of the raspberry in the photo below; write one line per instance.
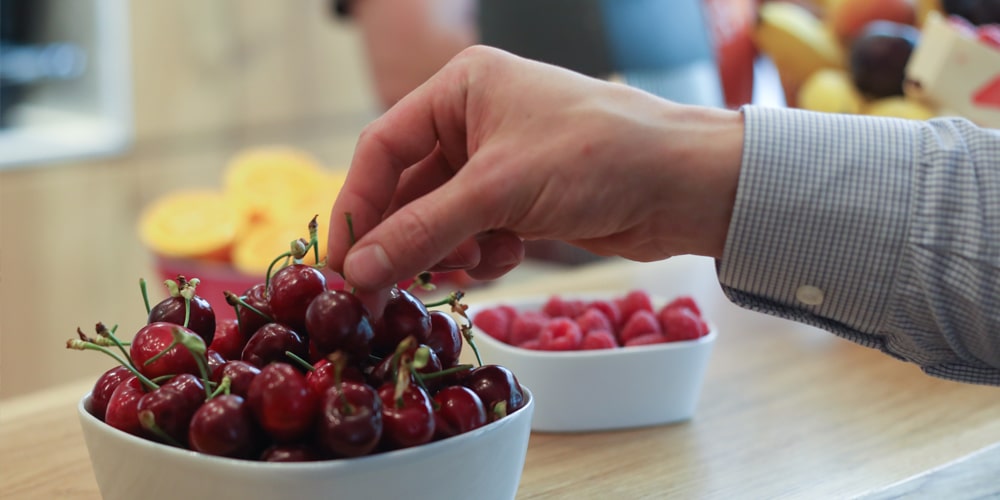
(534, 345)
(683, 302)
(682, 324)
(646, 339)
(526, 326)
(593, 319)
(599, 339)
(634, 301)
(495, 322)
(557, 307)
(642, 322)
(610, 310)
(561, 334)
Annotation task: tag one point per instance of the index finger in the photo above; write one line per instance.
(407, 133)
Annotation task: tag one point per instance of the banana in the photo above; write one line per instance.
(797, 42)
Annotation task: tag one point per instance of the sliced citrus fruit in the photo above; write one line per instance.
(190, 224)
(263, 183)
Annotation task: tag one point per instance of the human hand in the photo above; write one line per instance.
(494, 149)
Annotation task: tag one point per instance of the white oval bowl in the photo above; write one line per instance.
(484, 463)
(603, 389)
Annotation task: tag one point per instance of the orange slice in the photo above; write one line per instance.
(190, 224)
(264, 183)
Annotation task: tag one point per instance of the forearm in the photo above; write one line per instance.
(879, 231)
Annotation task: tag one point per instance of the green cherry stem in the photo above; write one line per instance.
(148, 421)
(236, 301)
(83, 345)
(224, 386)
(104, 333)
(314, 237)
(196, 346)
(145, 295)
(299, 361)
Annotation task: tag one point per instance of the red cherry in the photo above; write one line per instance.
(497, 387)
(291, 290)
(97, 405)
(445, 338)
(456, 410)
(154, 338)
(172, 310)
(224, 426)
(323, 375)
(408, 420)
(240, 375)
(249, 320)
(350, 421)
(169, 408)
(271, 342)
(283, 402)
(404, 315)
(228, 341)
(122, 407)
(337, 320)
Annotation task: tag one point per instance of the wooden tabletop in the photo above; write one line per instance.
(786, 411)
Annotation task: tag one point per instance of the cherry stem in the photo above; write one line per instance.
(106, 335)
(314, 237)
(196, 346)
(452, 299)
(338, 359)
(145, 295)
(446, 371)
(148, 421)
(267, 278)
(500, 410)
(83, 345)
(236, 301)
(223, 388)
(299, 361)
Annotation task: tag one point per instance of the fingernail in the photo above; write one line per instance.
(368, 267)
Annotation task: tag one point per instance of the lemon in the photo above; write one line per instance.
(830, 91)
(192, 223)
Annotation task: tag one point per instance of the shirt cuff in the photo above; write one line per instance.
(820, 219)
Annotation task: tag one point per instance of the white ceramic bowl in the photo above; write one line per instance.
(604, 389)
(484, 463)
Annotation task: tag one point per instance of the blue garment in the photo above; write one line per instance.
(883, 231)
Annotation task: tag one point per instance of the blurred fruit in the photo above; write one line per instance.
(190, 224)
(797, 42)
(830, 91)
(847, 18)
(923, 8)
(900, 107)
(977, 12)
(879, 56)
(989, 34)
(264, 183)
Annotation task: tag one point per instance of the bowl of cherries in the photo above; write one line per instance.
(303, 394)
(598, 362)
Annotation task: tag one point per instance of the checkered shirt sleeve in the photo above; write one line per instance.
(883, 231)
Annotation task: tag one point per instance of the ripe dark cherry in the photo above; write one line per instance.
(283, 403)
(249, 320)
(291, 290)
(122, 407)
(201, 320)
(350, 420)
(495, 384)
(385, 371)
(240, 375)
(338, 320)
(404, 315)
(97, 405)
(456, 410)
(228, 340)
(224, 426)
(445, 338)
(323, 375)
(214, 360)
(408, 421)
(152, 339)
(290, 453)
(171, 406)
(269, 344)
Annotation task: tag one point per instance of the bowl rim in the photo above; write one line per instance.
(345, 464)
(708, 338)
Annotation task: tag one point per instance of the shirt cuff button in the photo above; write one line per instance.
(809, 295)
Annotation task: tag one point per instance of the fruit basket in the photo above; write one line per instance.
(587, 384)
